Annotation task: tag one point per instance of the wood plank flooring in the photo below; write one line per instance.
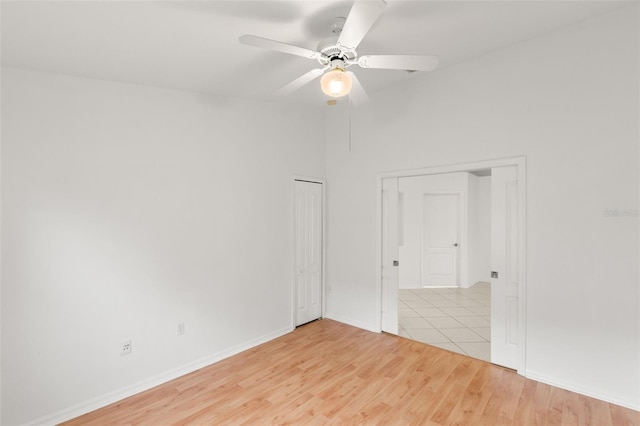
(330, 373)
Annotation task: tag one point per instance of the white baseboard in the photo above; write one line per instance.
(351, 321)
(111, 397)
(581, 390)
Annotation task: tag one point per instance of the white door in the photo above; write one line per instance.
(308, 251)
(440, 240)
(504, 266)
(390, 201)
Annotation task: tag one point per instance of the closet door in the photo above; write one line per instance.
(308, 251)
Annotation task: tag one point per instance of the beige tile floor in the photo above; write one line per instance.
(457, 319)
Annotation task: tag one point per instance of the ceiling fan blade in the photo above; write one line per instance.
(265, 43)
(300, 81)
(399, 62)
(362, 16)
(357, 95)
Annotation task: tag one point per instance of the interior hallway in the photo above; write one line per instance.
(456, 319)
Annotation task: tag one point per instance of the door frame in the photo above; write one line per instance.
(520, 163)
(323, 237)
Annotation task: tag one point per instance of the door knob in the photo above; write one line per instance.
(455, 245)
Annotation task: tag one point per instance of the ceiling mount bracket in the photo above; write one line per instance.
(337, 24)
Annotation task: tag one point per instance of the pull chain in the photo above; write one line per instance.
(349, 124)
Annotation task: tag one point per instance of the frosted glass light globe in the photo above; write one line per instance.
(336, 83)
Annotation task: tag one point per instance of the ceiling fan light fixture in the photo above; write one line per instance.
(339, 52)
(336, 83)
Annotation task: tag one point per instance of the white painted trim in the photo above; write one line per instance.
(542, 378)
(454, 168)
(522, 265)
(322, 182)
(379, 207)
(352, 322)
(120, 394)
(520, 162)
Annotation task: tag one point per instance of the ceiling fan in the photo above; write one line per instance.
(338, 53)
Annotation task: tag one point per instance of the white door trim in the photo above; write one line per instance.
(322, 182)
(520, 162)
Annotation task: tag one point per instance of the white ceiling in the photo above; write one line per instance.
(193, 45)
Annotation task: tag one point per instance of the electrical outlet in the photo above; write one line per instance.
(180, 329)
(125, 347)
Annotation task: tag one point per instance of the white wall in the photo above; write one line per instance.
(568, 102)
(410, 253)
(126, 210)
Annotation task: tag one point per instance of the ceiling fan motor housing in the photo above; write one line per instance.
(330, 52)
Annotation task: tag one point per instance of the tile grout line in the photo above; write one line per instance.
(479, 296)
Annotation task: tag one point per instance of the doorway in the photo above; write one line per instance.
(508, 324)
(445, 297)
(308, 250)
(440, 228)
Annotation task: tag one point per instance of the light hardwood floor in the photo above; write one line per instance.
(330, 373)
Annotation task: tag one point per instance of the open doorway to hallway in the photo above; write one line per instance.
(443, 264)
(444, 249)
